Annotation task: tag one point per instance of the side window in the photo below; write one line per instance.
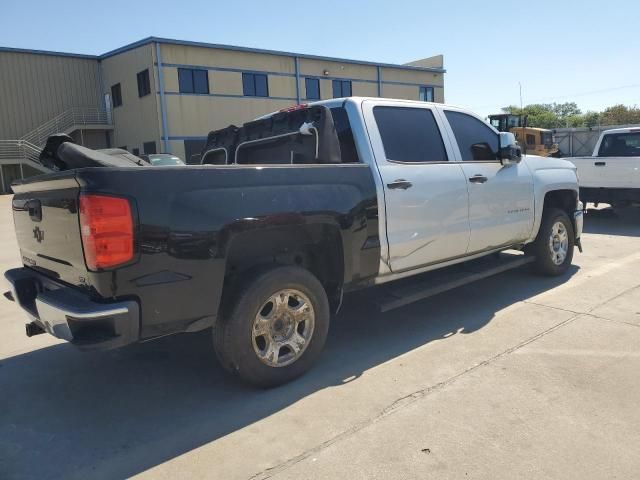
(410, 134)
(475, 139)
(620, 145)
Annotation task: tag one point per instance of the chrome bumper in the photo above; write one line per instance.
(578, 222)
(69, 314)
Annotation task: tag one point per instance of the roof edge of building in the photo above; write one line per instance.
(49, 52)
(170, 41)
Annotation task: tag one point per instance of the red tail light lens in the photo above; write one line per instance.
(106, 226)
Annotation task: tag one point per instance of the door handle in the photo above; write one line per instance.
(478, 179)
(400, 183)
(600, 164)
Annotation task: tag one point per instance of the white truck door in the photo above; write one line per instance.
(500, 197)
(426, 202)
(617, 164)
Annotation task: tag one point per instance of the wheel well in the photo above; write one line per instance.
(317, 248)
(563, 199)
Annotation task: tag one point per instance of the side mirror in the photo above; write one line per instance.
(510, 152)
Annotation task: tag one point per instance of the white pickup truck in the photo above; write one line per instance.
(612, 173)
(286, 214)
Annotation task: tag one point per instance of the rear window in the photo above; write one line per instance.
(410, 134)
(348, 152)
(620, 145)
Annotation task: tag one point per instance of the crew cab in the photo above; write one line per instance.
(612, 173)
(286, 214)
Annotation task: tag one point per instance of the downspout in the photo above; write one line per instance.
(379, 81)
(163, 105)
(296, 61)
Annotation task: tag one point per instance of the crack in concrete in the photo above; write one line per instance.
(413, 397)
(400, 404)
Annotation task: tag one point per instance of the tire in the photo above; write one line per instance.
(549, 243)
(266, 319)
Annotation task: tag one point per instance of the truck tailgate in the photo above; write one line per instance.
(45, 213)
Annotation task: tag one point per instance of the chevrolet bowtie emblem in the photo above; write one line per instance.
(38, 234)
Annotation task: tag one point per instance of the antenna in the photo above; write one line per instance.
(522, 119)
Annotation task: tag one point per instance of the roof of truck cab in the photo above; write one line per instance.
(621, 130)
(362, 99)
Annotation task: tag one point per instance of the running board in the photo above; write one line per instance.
(406, 291)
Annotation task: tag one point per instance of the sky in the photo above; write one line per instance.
(559, 51)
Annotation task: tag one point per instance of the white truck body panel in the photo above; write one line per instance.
(443, 217)
(604, 169)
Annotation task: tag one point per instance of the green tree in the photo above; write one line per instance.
(620, 115)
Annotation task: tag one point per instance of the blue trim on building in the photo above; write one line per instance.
(226, 69)
(163, 102)
(296, 62)
(412, 84)
(228, 95)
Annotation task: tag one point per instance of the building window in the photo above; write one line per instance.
(149, 147)
(116, 95)
(136, 151)
(426, 94)
(191, 80)
(144, 85)
(312, 87)
(255, 85)
(341, 88)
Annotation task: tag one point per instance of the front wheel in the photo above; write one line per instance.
(553, 247)
(275, 327)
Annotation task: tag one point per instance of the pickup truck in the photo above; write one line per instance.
(287, 213)
(612, 173)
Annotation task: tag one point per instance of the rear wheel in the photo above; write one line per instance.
(275, 327)
(553, 247)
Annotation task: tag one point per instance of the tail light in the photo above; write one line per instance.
(106, 226)
(293, 108)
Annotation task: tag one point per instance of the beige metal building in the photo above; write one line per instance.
(162, 95)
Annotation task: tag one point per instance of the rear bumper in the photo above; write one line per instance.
(69, 314)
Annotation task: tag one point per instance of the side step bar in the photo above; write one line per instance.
(406, 291)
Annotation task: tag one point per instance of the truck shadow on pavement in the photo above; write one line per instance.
(607, 221)
(68, 414)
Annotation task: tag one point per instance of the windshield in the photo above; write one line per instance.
(165, 160)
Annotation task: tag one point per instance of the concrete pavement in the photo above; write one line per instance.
(514, 376)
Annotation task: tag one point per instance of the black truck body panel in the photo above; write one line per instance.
(189, 220)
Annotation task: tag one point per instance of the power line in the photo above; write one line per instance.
(563, 97)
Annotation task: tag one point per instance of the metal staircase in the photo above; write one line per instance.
(26, 150)
(76, 118)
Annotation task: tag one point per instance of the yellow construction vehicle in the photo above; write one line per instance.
(534, 141)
